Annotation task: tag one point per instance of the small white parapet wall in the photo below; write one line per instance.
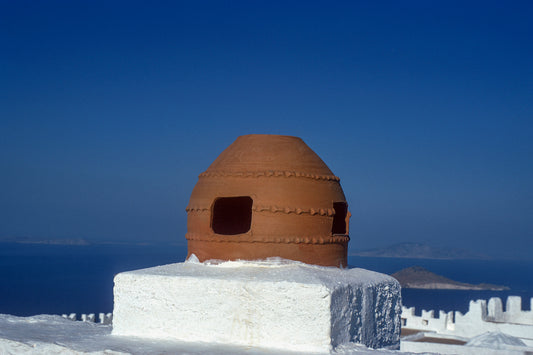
(480, 318)
(103, 318)
(270, 304)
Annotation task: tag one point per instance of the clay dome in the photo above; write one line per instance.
(268, 196)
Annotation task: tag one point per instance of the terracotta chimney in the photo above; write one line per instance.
(266, 196)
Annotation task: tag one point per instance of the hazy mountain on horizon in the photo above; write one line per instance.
(80, 241)
(419, 251)
(50, 241)
(418, 277)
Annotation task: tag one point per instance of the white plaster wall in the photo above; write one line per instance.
(480, 318)
(292, 306)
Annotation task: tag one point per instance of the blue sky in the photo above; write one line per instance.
(109, 110)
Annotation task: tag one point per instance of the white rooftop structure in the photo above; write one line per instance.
(276, 304)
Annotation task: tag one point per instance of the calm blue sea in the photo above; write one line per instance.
(516, 274)
(53, 279)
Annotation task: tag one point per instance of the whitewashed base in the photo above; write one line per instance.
(272, 304)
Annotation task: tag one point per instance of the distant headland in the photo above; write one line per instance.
(62, 241)
(418, 277)
(419, 251)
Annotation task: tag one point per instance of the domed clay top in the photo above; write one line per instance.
(266, 196)
(262, 152)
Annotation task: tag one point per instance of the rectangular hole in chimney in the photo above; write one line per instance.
(232, 215)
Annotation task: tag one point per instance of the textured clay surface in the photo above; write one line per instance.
(268, 196)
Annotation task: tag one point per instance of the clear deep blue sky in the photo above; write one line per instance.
(109, 110)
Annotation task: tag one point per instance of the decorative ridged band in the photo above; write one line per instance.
(334, 239)
(312, 211)
(196, 209)
(276, 209)
(269, 173)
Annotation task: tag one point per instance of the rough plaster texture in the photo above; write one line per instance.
(272, 304)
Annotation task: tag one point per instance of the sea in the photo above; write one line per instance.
(64, 279)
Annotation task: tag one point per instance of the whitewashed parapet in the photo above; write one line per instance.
(103, 318)
(481, 317)
(87, 317)
(427, 320)
(71, 316)
(513, 311)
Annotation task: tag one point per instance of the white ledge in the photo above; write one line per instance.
(271, 304)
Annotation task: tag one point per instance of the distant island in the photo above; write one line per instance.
(419, 251)
(418, 277)
(86, 242)
(63, 241)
